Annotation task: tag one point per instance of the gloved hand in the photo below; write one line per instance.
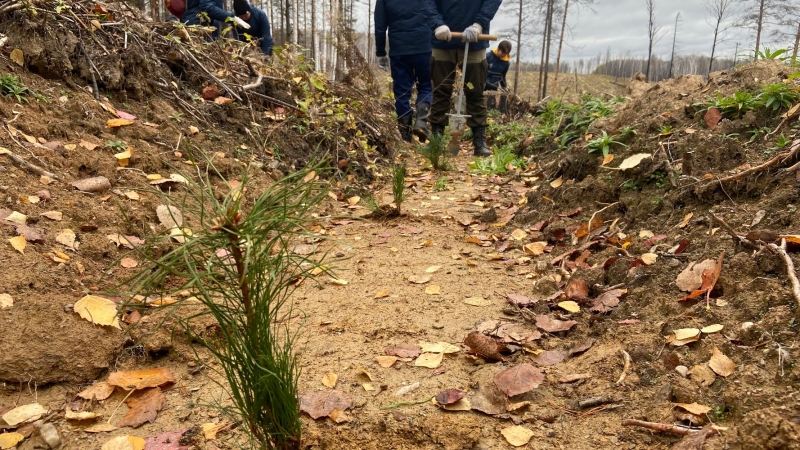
(241, 23)
(383, 62)
(442, 33)
(471, 33)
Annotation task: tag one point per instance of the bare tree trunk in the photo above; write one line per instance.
(519, 47)
(314, 52)
(552, 4)
(759, 27)
(542, 68)
(796, 43)
(560, 45)
(674, 43)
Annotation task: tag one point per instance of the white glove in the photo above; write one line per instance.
(241, 23)
(443, 33)
(383, 62)
(471, 33)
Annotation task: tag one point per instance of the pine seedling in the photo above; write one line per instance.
(436, 152)
(234, 255)
(399, 185)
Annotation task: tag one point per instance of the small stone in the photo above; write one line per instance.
(68, 307)
(747, 325)
(50, 435)
(683, 370)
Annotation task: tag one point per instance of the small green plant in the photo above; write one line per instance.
(780, 54)
(436, 152)
(603, 144)
(779, 96)
(780, 143)
(239, 264)
(665, 130)
(440, 185)
(627, 132)
(721, 412)
(631, 185)
(117, 146)
(659, 178)
(399, 185)
(12, 87)
(177, 117)
(501, 160)
(735, 106)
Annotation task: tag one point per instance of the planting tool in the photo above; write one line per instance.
(458, 120)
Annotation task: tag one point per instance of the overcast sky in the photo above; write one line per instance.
(622, 26)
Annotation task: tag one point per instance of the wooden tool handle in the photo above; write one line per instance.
(481, 37)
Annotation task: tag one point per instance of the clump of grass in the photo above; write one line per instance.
(237, 261)
(399, 185)
(436, 152)
(603, 144)
(12, 87)
(501, 160)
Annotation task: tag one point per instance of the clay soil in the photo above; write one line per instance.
(474, 229)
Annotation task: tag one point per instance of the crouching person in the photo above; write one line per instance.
(496, 86)
(259, 25)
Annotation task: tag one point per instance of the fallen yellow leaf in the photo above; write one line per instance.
(98, 310)
(19, 243)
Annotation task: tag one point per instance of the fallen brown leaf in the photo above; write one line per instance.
(519, 379)
(721, 364)
(450, 396)
(99, 391)
(143, 407)
(549, 357)
(404, 350)
(577, 290)
(140, 379)
(321, 403)
(551, 325)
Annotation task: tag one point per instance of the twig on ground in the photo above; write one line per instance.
(598, 409)
(276, 101)
(736, 237)
(626, 367)
(790, 270)
(91, 71)
(401, 404)
(26, 165)
(255, 84)
(211, 75)
(663, 427)
(592, 402)
(777, 158)
(598, 212)
(120, 404)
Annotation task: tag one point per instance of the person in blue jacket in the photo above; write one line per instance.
(259, 25)
(408, 24)
(209, 12)
(472, 17)
(498, 63)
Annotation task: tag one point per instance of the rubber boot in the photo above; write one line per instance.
(404, 124)
(479, 142)
(421, 124)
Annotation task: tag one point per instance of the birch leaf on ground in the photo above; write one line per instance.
(329, 380)
(551, 325)
(10, 440)
(321, 403)
(721, 364)
(429, 360)
(404, 350)
(125, 443)
(98, 310)
(570, 306)
(19, 243)
(633, 161)
(24, 413)
(386, 361)
(517, 435)
(140, 379)
(66, 238)
(6, 301)
(519, 379)
(98, 391)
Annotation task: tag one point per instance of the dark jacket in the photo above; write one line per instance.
(460, 14)
(214, 9)
(498, 69)
(259, 29)
(409, 23)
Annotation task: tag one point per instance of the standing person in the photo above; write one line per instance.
(209, 12)
(498, 62)
(259, 25)
(409, 26)
(473, 17)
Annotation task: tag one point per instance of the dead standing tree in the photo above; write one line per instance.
(653, 33)
(720, 12)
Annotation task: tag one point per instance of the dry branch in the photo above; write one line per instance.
(790, 270)
(626, 367)
(23, 164)
(662, 427)
(736, 237)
